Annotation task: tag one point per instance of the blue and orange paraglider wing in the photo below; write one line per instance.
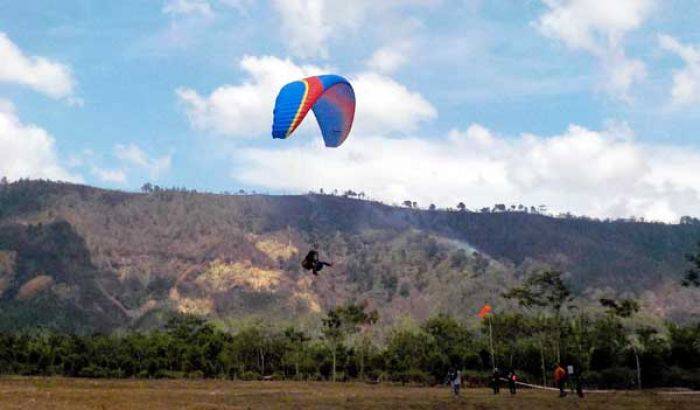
(330, 96)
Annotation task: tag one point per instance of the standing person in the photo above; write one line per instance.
(450, 376)
(512, 378)
(579, 387)
(574, 377)
(496, 381)
(570, 377)
(560, 379)
(456, 382)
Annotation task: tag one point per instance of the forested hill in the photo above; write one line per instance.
(83, 259)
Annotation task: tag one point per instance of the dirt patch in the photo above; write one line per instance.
(63, 393)
(34, 286)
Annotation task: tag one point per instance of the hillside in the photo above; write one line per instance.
(85, 259)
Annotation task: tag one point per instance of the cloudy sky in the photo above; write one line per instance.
(587, 106)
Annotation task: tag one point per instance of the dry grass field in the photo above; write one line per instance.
(62, 393)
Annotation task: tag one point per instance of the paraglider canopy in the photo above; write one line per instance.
(330, 96)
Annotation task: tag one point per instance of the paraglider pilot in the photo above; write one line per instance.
(312, 262)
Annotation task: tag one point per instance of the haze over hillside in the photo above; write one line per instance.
(82, 259)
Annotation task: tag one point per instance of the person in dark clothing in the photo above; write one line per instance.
(450, 376)
(579, 387)
(496, 381)
(512, 378)
(311, 262)
(574, 378)
(560, 379)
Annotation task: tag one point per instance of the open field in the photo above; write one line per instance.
(62, 393)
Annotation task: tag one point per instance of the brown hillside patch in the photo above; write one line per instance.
(309, 299)
(221, 277)
(306, 295)
(275, 249)
(7, 269)
(195, 306)
(34, 286)
(7, 262)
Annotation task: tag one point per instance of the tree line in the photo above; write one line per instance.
(347, 347)
(542, 209)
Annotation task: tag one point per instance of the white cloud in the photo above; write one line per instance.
(116, 176)
(308, 25)
(686, 82)
(592, 24)
(39, 73)
(132, 155)
(27, 151)
(245, 110)
(599, 27)
(125, 163)
(599, 173)
(188, 7)
(304, 26)
(386, 106)
(389, 58)
(241, 6)
(620, 73)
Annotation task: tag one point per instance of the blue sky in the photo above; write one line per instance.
(588, 106)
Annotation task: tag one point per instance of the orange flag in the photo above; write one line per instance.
(484, 311)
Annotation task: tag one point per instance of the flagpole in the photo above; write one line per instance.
(493, 356)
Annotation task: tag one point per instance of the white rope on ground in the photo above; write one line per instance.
(537, 386)
(679, 393)
(663, 393)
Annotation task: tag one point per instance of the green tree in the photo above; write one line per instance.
(342, 322)
(408, 354)
(624, 310)
(544, 292)
(147, 188)
(453, 344)
(296, 343)
(692, 275)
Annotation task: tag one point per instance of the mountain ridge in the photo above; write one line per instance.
(123, 259)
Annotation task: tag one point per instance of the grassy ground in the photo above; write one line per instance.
(60, 393)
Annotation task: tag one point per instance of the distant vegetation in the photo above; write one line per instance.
(541, 209)
(79, 259)
(347, 348)
(174, 283)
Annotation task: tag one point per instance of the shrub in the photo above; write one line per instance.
(249, 375)
(169, 374)
(613, 378)
(197, 374)
(413, 376)
(678, 377)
